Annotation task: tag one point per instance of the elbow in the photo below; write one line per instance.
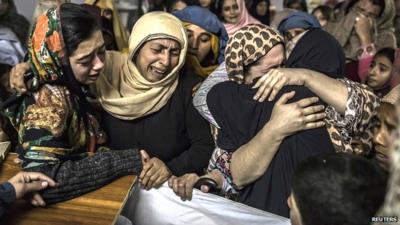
(240, 180)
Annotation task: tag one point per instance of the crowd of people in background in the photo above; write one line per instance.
(293, 111)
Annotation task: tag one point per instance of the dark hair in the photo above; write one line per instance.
(253, 11)
(77, 25)
(219, 10)
(387, 52)
(380, 3)
(303, 4)
(326, 11)
(171, 3)
(338, 189)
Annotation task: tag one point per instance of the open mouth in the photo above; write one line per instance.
(94, 77)
(158, 72)
(233, 18)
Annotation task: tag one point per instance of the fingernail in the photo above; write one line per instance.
(255, 97)
(44, 184)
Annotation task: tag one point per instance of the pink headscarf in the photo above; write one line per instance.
(244, 19)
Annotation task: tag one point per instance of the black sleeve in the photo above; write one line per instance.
(195, 159)
(78, 177)
(7, 196)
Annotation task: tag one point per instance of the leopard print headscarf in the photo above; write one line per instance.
(246, 46)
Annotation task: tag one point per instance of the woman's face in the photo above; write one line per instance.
(386, 124)
(179, 5)
(368, 9)
(205, 3)
(87, 61)
(320, 17)
(4, 5)
(296, 5)
(262, 8)
(379, 72)
(274, 58)
(157, 58)
(230, 11)
(199, 42)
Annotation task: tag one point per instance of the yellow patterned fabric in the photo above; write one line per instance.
(51, 121)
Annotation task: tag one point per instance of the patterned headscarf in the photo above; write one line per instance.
(46, 48)
(246, 46)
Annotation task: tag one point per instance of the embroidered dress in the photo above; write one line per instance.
(57, 128)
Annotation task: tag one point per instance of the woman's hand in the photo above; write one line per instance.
(271, 83)
(183, 185)
(363, 28)
(31, 183)
(287, 119)
(154, 173)
(17, 77)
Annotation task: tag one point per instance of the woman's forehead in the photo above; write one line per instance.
(165, 42)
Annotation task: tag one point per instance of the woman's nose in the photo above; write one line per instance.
(98, 64)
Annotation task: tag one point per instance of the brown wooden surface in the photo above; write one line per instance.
(98, 207)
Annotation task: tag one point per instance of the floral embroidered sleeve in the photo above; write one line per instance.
(354, 127)
(221, 161)
(54, 141)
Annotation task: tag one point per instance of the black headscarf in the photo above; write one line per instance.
(241, 118)
(319, 51)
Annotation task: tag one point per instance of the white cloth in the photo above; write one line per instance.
(162, 206)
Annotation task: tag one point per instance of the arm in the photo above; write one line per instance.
(232, 171)
(302, 116)
(51, 143)
(196, 157)
(330, 90)
(22, 184)
(333, 92)
(243, 168)
(354, 124)
(78, 177)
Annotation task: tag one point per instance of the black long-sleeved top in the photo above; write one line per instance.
(176, 134)
(7, 196)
